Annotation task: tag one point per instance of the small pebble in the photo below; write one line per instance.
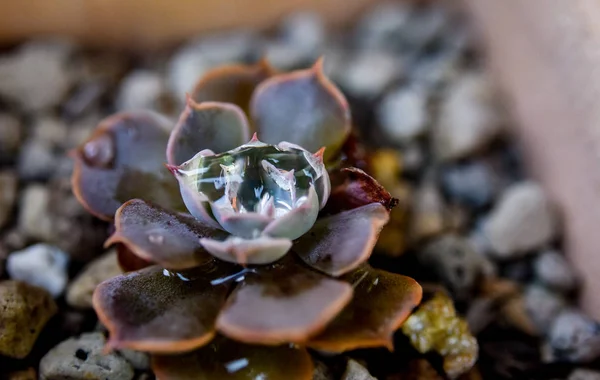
(8, 195)
(455, 262)
(11, 133)
(80, 290)
(36, 160)
(428, 212)
(573, 337)
(82, 358)
(369, 74)
(382, 27)
(356, 371)
(40, 265)
(473, 184)
(584, 374)
(321, 371)
(25, 311)
(542, 306)
(38, 75)
(34, 221)
(468, 118)
(139, 360)
(403, 114)
(142, 89)
(50, 131)
(523, 219)
(553, 269)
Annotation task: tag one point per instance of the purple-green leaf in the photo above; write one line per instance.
(302, 107)
(340, 243)
(284, 302)
(382, 301)
(261, 250)
(210, 125)
(157, 311)
(155, 234)
(226, 359)
(123, 160)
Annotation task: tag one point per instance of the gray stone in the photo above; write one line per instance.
(584, 374)
(368, 75)
(37, 76)
(304, 30)
(573, 337)
(141, 89)
(80, 290)
(8, 195)
(40, 265)
(468, 120)
(428, 212)
(455, 262)
(523, 220)
(82, 358)
(474, 184)
(553, 269)
(321, 371)
(11, 133)
(542, 306)
(356, 371)
(424, 25)
(50, 131)
(34, 221)
(383, 26)
(403, 114)
(36, 160)
(285, 57)
(138, 360)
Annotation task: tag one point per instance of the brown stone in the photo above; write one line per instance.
(25, 311)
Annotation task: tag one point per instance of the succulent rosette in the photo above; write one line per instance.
(239, 254)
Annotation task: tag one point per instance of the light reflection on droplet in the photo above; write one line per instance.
(237, 277)
(236, 365)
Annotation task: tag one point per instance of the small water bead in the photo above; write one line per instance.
(265, 179)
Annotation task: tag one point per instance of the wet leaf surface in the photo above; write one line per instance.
(157, 235)
(284, 302)
(159, 311)
(382, 301)
(338, 244)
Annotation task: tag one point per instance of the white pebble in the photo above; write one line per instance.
(40, 265)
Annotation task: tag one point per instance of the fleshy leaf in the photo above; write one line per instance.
(226, 359)
(218, 127)
(353, 188)
(262, 250)
(123, 160)
(382, 302)
(158, 311)
(129, 261)
(171, 240)
(302, 107)
(284, 302)
(340, 243)
(298, 221)
(232, 83)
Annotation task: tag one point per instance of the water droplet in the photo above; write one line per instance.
(265, 179)
(236, 365)
(155, 238)
(99, 152)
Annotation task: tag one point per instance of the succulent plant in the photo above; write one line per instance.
(250, 255)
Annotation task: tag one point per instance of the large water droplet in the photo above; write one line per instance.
(99, 152)
(264, 179)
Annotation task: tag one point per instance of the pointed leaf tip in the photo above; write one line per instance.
(319, 154)
(313, 110)
(254, 137)
(174, 169)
